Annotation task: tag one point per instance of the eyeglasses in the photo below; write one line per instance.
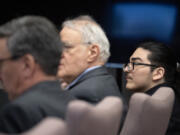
(130, 65)
(3, 60)
(9, 58)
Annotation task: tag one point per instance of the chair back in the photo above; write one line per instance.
(149, 115)
(101, 119)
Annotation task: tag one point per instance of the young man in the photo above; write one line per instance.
(151, 66)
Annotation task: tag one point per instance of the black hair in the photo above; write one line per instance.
(163, 56)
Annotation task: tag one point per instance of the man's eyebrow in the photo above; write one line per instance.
(65, 43)
(136, 58)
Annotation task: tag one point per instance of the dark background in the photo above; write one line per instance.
(59, 11)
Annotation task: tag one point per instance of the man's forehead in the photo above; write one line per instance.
(140, 54)
(70, 36)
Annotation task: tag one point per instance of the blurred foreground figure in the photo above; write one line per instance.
(29, 57)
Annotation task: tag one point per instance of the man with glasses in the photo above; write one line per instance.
(151, 67)
(85, 51)
(30, 50)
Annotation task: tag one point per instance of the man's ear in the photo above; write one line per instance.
(29, 65)
(94, 52)
(158, 73)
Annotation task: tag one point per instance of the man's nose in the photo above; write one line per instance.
(125, 69)
(62, 55)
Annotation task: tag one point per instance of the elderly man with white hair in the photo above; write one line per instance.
(85, 52)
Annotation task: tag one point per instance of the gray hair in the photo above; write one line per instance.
(34, 35)
(92, 33)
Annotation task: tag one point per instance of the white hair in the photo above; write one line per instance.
(92, 33)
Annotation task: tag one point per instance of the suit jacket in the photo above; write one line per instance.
(95, 85)
(3, 98)
(41, 100)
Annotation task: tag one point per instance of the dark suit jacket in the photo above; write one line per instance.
(3, 98)
(95, 85)
(42, 100)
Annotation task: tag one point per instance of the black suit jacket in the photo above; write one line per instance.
(95, 85)
(42, 100)
(3, 98)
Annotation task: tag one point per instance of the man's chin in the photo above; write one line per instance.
(129, 87)
(133, 89)
(60, 74)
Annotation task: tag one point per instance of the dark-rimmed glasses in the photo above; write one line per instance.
(130, 65)
(4, 59)
(9, 58)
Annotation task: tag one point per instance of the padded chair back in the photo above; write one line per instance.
(149, 115)
(49, 126)
(101, 119)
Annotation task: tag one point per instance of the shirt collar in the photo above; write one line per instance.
(80, 76)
